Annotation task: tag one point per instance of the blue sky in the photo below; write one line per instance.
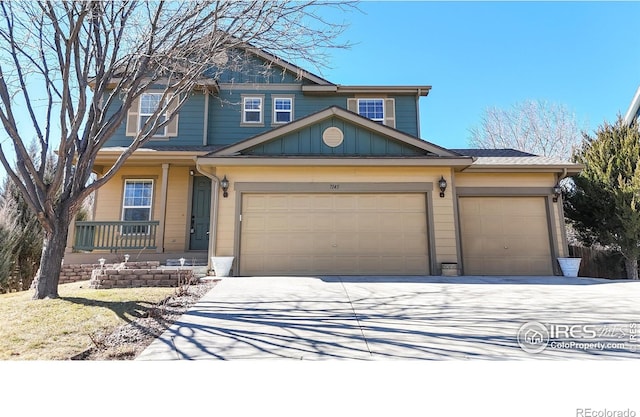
(584, 55)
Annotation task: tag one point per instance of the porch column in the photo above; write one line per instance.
(163, 209)
(71, 236)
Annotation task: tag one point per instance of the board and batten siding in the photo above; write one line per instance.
(442, 208)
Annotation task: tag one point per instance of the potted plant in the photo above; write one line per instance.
(221, 265)
(569, 266)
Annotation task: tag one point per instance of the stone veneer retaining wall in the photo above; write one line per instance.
(129, 278)
(82, 272)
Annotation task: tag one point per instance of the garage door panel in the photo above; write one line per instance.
(334, 234)
(505, 236)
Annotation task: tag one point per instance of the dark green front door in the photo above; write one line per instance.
(200, 211)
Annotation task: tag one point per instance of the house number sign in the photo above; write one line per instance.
(334, 187)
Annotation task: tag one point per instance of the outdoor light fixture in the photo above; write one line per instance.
(126, 258)
(225, 186)
(557, 190)
(102, 261)
(442, 183)
(191, 172)
(181, 261)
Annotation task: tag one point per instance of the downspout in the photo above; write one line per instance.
(213, 222)
(205, 130)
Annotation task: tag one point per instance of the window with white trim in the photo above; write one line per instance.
(149, 103)
(282, 110)
(252, 110)
(136, 204)
(372, 108)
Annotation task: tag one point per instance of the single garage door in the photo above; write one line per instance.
(334, 234)
(505, 236)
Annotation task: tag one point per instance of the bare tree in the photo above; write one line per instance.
(78, 66)
(538, 127)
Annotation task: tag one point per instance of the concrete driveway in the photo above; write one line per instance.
(381, 318)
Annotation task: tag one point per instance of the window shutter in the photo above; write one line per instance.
(132, 118)
(352, 105)
(172, 127)
(390, 112)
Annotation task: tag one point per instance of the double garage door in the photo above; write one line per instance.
(334, 234)
(505, 236)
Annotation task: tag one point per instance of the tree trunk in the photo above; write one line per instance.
(48, 276)
(631, 265)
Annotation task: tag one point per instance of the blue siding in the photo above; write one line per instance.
(224, 118)
(190, 127)
(357, 142)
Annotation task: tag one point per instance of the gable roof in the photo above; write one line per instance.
(288, 66)
(404, 139)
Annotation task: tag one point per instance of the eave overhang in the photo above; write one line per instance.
(363, 89)
(567, 169)
(457, 163)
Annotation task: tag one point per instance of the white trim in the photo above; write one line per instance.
(632, 111)
(274, 111)
(124, 195)
(381, 100)
(260, 111)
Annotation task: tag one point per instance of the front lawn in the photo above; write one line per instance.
(61, 328)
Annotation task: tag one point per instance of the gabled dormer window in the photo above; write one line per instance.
(379, 110)
(252, 110)
(282, 110)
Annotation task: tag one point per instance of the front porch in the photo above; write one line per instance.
(117, 241)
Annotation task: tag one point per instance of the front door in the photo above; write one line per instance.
(200, 211)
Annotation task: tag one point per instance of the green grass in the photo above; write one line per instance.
(61, 328)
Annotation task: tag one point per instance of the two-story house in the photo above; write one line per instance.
(292, 174)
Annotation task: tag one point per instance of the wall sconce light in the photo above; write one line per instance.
(557, 190)
(225, 186)
(191, 172)
(442, 183)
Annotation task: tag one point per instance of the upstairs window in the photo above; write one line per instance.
(136, 204)
(149, 103)
(372, 109)
(252, 110)
(143, 108)
(379, 110)
(282, 110)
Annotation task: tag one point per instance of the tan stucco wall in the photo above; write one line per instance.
(505, 179)
(109, 200)
(109, 197)
(444, 229)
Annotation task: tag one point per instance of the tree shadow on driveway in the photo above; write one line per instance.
(426, 322)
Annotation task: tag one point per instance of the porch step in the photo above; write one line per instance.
(187, 262)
